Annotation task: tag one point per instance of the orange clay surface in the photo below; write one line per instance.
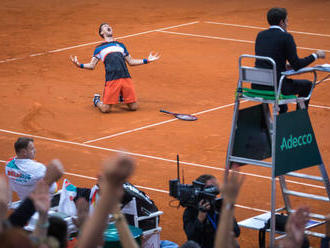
(44, 95)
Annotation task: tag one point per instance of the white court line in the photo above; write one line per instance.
(151, 157)
(96, 42)
(229, 39)
(153, 189)
(156, 124)
(9, 60)
(207, 36)
(263, 28)
(129, 131)
(318, 106)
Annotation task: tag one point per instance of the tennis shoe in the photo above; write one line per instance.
(96, 99)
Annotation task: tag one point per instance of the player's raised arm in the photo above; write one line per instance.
(91, 65)
(151, 58)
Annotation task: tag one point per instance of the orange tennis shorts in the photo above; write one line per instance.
(114, 88)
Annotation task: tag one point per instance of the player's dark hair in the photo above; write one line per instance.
(276, 15)
(22, 143)
(204, 178)
(100, 29)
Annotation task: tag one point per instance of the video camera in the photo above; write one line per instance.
(190, 195)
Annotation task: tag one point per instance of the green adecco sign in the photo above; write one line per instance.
(294, 142)
(296, 146)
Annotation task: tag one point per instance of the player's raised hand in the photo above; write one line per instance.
(74, 60)
(153, 57)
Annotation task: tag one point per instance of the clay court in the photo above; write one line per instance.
(43, 95)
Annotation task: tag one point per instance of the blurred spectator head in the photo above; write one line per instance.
(190, 244)
(58, 229)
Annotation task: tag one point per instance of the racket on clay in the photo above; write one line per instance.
(184, 117)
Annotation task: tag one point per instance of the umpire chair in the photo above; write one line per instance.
(283, 143)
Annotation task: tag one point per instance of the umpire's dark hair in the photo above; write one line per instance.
(205, 177)
(22, 143)
(276, 15)
(100, 29)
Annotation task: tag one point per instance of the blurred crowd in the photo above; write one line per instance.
(36, 185)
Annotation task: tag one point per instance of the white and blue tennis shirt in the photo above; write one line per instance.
(113, 56)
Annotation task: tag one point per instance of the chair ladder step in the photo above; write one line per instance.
(250, 161)
(305, 176)
(306, 195)
(312, 215)
(310, 233)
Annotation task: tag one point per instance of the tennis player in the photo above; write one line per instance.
(117, 78)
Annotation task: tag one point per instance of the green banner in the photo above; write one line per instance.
(296, 146)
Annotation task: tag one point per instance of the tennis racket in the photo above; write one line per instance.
(184, 117)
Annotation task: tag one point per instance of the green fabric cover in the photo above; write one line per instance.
(265, 94)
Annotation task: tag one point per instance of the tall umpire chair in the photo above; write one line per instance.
(287, 139)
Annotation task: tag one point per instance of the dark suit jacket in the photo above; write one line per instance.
(281, 47)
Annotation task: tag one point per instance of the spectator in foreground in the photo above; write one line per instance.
(116, 172)
(230, 190)
(295, 228)
(11, 232)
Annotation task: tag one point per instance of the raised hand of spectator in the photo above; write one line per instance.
(40, 197)
(41, 201)
(82, 212)
(230, 189)
(125, 236)
(4, 199)
(295, 228)
(232, 184)
(116, 172)
(54, 171)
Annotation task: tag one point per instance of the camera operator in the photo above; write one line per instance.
(200, 223)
